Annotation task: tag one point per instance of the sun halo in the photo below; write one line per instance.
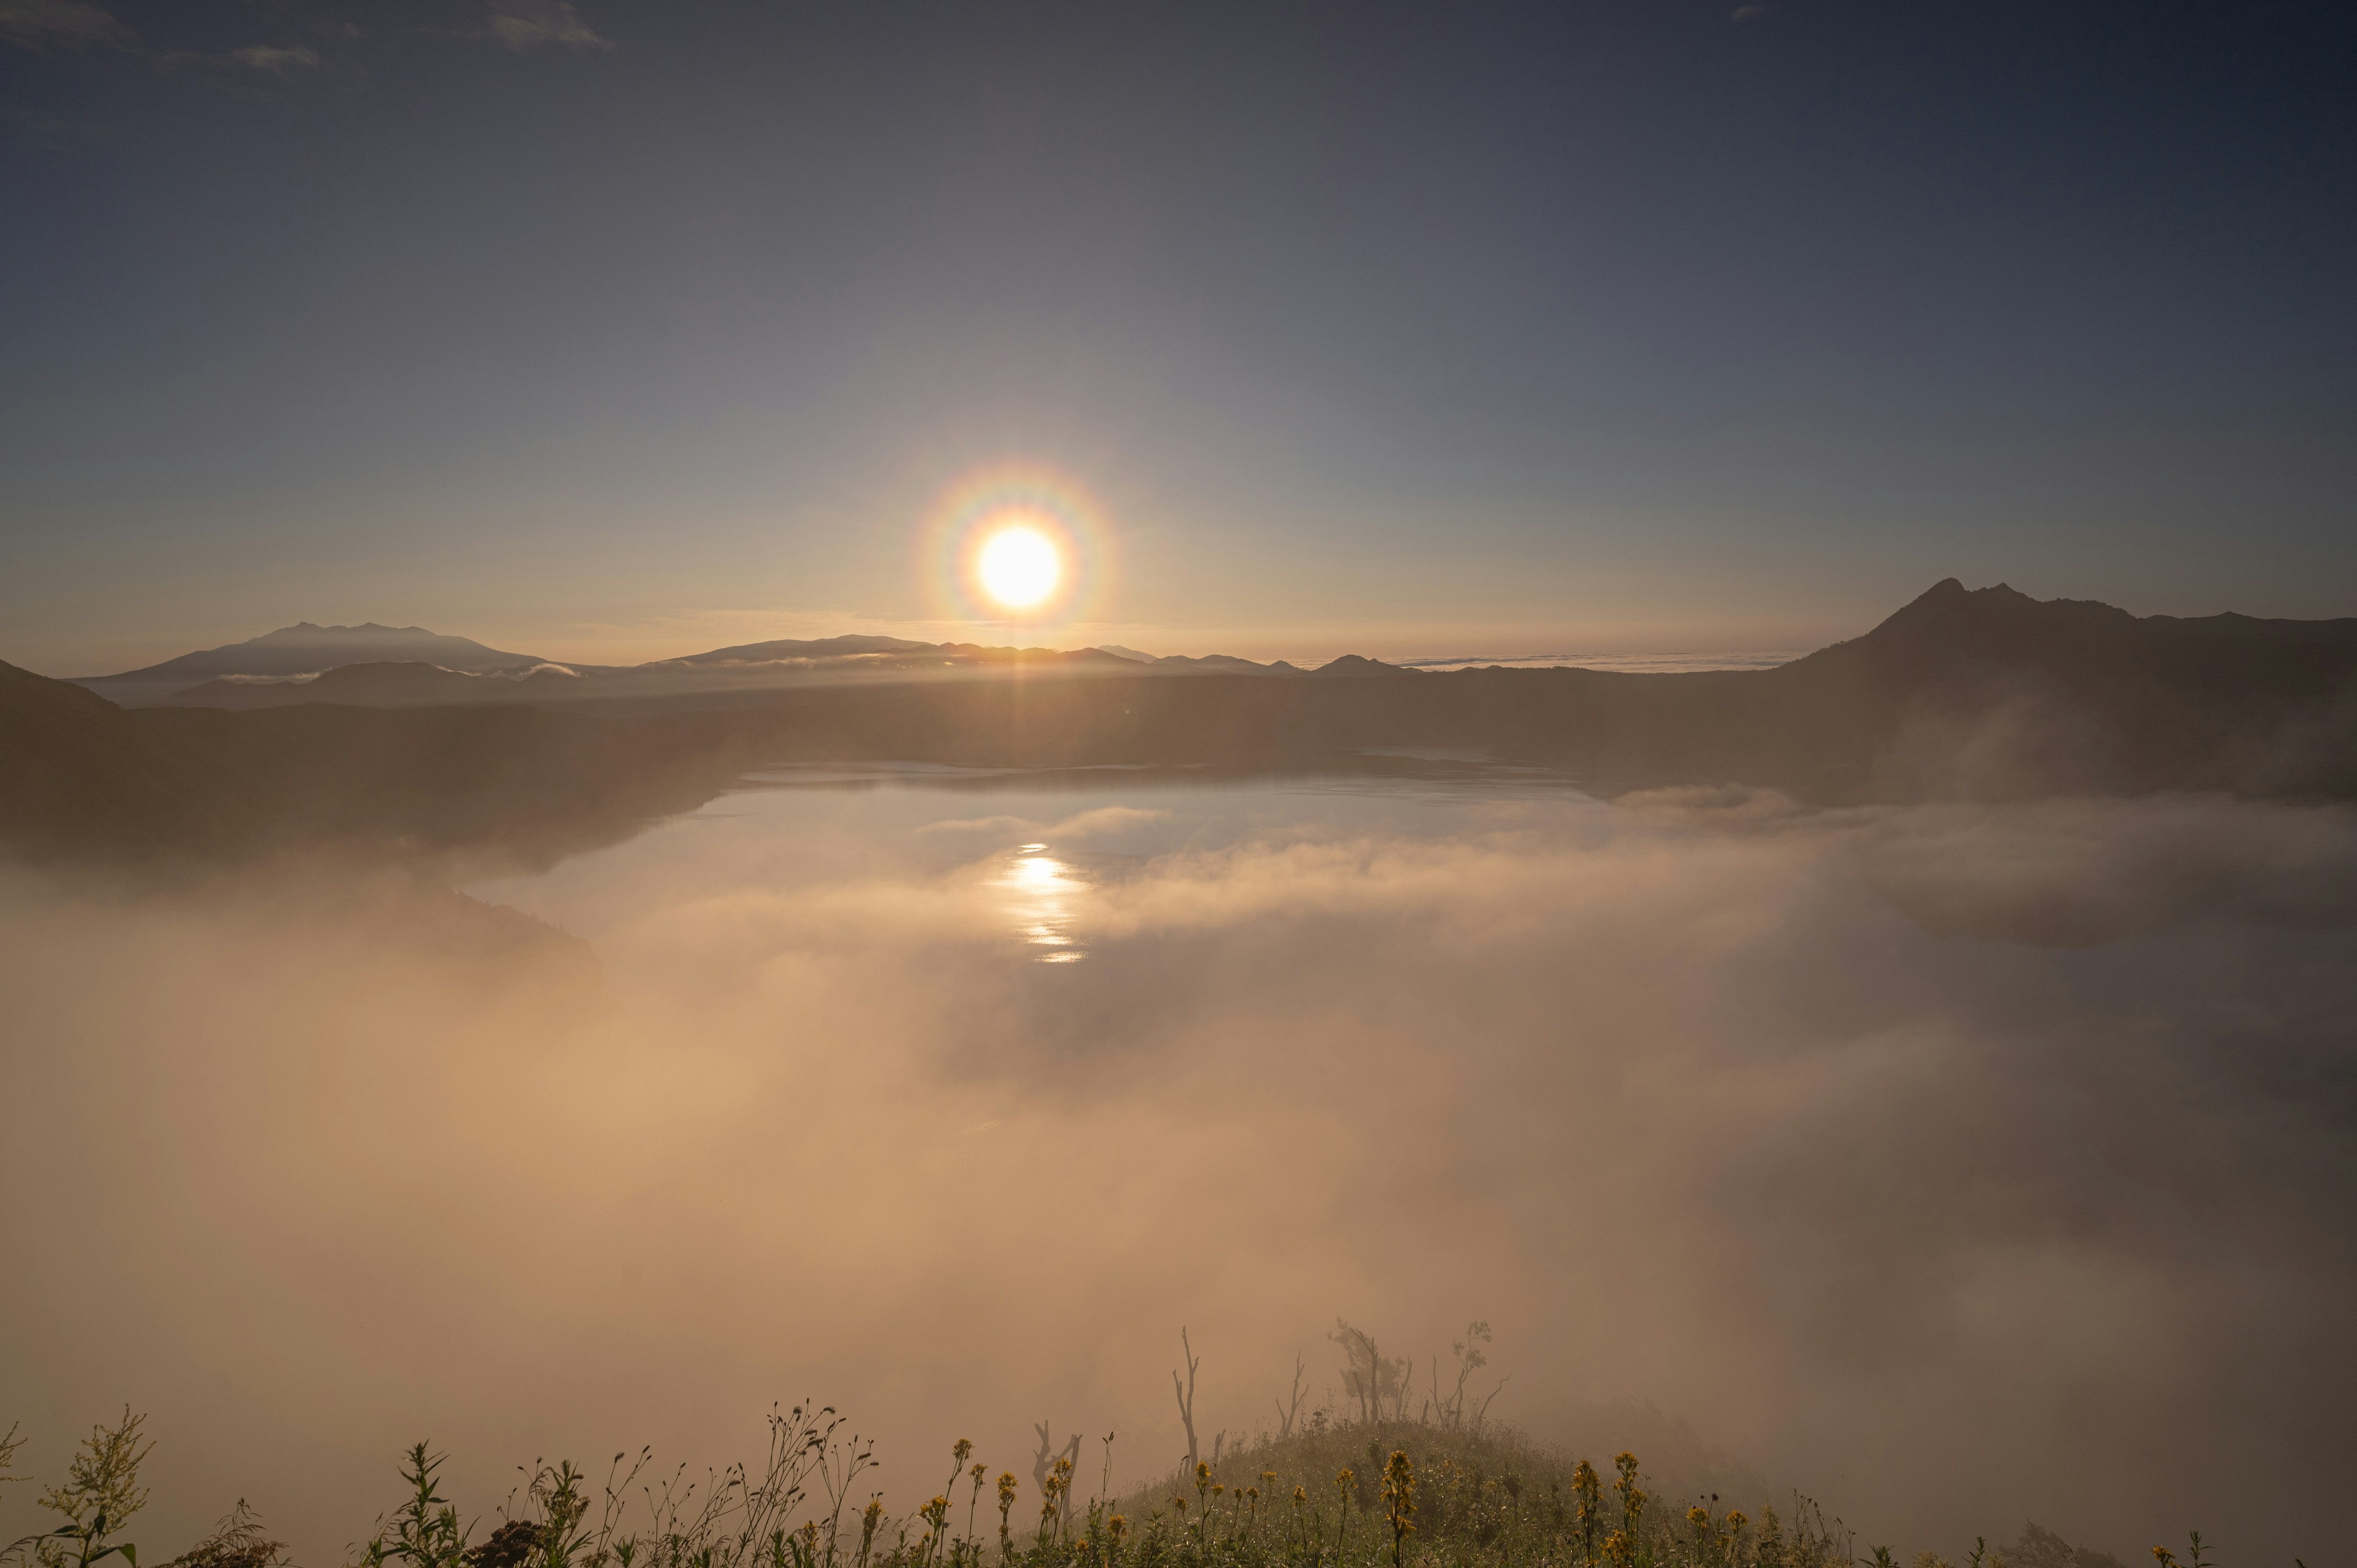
(1057, 578)
(1018, 567)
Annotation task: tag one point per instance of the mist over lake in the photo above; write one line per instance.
(1959, 1161)
(930, 785)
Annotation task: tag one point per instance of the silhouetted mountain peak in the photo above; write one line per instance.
(1964, 693)
(312, 631)
(305, 649)
(1950, 613)
(1353, 664)
(1966, 649)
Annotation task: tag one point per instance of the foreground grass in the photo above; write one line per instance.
(1366, 1494)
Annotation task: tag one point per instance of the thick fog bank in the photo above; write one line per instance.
(1959, 1165)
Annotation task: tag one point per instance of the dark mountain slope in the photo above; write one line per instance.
(1986, 694)
(1983, 695)
(1991, 691)
(81, 779)
(74, 772)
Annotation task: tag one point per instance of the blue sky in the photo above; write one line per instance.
(609, 330)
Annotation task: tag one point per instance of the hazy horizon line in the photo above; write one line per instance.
(1647, 653)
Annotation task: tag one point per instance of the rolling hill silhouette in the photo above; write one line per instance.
(1962, 693)
(393, 684)
(389, 667)
(304, 649)
(758, 667)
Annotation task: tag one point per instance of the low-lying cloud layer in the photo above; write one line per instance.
(1959, 1165)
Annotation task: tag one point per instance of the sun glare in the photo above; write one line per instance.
(1016, 544)
(1019, 567)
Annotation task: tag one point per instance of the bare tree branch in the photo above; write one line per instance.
(1186, 1393)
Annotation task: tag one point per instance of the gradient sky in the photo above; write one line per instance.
(613, 331)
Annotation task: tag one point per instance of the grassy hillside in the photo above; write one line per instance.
(1437, 1493)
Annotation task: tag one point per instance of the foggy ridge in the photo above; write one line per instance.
(1961, 694)
(304, 650)
(410, 667)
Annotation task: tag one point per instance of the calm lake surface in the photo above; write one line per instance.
(1039, 849)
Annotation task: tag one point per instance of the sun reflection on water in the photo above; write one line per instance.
(1043, 896)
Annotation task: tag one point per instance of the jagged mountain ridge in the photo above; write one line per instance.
(1962, 693)
(409, 666)
(1950, 646)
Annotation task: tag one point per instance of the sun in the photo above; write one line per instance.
(1019, 567)
(1015, 544)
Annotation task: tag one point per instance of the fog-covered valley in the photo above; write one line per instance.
(1958, 1163)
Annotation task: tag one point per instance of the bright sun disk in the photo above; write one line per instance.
(1018, 567)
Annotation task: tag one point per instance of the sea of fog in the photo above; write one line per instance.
(1958, 1163)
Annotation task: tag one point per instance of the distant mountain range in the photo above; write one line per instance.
(1960, 694)
(394, 667)
(305, 649)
